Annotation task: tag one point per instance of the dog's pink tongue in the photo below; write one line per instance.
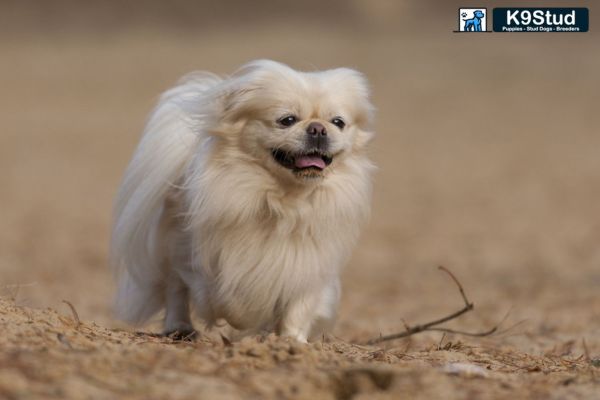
(309, 161)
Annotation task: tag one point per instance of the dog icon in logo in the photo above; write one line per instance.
(473, 24)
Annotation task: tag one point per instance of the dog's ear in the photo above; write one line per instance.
(240, 94)
(355, 95)
(234, 98)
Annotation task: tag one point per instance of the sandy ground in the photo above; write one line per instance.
(488, 162)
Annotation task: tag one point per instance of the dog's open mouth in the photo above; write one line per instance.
(305, 164)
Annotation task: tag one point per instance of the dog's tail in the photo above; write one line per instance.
(167, 146)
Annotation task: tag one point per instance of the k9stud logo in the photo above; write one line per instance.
(524, 19)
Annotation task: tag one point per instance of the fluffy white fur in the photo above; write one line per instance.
(206, 215)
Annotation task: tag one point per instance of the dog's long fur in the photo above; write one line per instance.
(206, 214)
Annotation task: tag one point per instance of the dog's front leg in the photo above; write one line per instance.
(298, 318)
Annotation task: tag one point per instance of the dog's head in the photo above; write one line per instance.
(298, 125)
(478, 14)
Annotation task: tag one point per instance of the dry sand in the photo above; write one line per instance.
(488, 162)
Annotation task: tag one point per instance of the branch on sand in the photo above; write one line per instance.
(434, 325)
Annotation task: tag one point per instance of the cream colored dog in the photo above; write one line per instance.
(245, 196)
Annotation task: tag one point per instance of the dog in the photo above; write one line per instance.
(474, 24)
(243, 200)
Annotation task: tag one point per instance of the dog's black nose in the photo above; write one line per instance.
(316, 129)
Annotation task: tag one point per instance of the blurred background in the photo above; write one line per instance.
(487, 146)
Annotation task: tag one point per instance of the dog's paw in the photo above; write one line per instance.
(296, 334)
(182, 335)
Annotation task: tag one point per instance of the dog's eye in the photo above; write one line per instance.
(337, 121)
(287, 120)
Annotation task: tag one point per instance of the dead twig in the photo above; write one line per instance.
(74, 312)
(439, 347)
(226, 341)
(489, 332)
(433, 325)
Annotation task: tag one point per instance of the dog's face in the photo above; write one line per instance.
(478, 14)
(298, 125)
